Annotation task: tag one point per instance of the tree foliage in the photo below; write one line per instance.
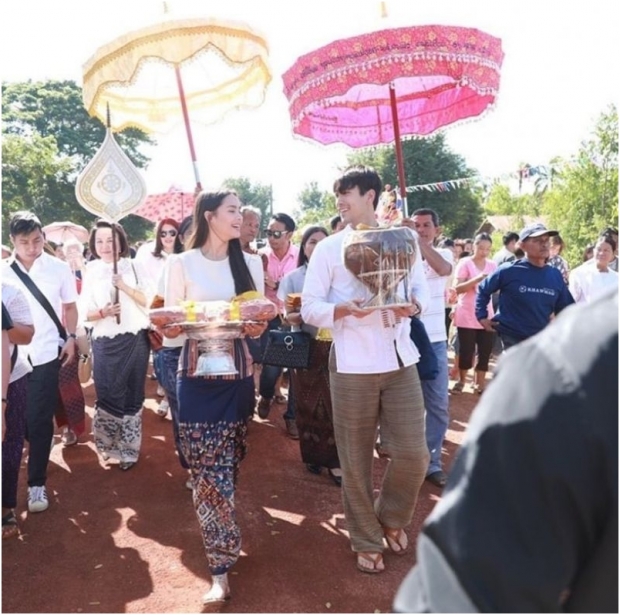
(316, 207)
(48, 138)
(584, 197)
(429, 161)
(258, 195)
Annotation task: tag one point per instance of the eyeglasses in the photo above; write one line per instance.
(275, 234)
(172, 233)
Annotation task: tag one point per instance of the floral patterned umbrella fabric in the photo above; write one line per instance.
(412, 81)
(174, 204)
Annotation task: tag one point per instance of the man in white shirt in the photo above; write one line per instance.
(373, 378)
(56, 282)
(438, 265)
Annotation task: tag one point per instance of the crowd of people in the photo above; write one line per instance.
(361, 392)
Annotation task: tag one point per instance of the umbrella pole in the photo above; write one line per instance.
(400, 165)
(188, 128)
(115, 270)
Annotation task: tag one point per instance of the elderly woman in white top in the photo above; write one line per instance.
(594, 277)
(120, 347)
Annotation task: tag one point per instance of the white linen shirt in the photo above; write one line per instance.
(367, 345)
(434, 317)
(18, 308)
(153, 268)
(98, 291)
(586, 282)
(57, 282)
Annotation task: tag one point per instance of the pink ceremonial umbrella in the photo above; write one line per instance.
(174, 204)
(412, 81)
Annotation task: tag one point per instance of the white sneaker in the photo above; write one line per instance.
(162, 409)
(68, 437)
(219, 592)
(37, 499)
(160, 391)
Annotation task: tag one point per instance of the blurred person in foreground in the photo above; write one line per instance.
(374, 380)
(529, 517)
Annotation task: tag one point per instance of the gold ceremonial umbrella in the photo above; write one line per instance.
(153, 77)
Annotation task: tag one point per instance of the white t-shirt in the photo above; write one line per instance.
(56, 281)
(586, 282)
(17, 305)
(434, 317)
(191, 275)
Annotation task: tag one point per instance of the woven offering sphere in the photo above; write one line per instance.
(381, 258)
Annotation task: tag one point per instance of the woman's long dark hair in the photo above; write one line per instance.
(302, 259)
(159, 246)
(210, 201)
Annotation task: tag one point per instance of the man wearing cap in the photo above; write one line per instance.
(530, 292)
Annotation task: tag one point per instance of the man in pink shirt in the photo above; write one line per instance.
(281, 259)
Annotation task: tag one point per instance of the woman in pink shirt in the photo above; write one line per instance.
(469, 273)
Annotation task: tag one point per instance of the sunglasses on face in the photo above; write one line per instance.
(275, 234)
(172, 233)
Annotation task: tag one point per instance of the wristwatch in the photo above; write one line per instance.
(73, 335)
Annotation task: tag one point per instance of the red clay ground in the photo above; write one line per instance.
(114, 542)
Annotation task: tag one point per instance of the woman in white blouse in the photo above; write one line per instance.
(152, 257)
(213, 411)
(119, 343)
(594, 277)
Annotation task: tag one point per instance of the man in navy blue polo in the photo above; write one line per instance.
(530, 292)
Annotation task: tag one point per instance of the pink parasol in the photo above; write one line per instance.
(174, 204)
(370, 89)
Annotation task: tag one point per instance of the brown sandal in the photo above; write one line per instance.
(396, 540)
(370, 563)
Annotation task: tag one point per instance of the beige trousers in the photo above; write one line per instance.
(392, 401)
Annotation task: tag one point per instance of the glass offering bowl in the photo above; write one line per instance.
(215, 343)
(381, 258)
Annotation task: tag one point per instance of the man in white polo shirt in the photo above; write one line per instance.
(373, 378)
(437, 268)
(47, 350)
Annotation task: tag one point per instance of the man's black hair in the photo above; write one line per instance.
(509, 237)
(334, 221)
(362, 177)
(289, 223)
(24, 223)
(426, 211)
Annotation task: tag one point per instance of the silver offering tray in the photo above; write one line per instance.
(215, 342)
(219, 330)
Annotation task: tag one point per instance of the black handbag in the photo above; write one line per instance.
(287, 349)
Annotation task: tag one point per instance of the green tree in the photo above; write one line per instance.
(584, 198)
(316, 207)
(258, 195)
(47, 119)
(429, 161)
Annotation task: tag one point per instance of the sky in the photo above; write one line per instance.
(559, 74)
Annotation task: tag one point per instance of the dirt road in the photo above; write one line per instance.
(115, 542)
